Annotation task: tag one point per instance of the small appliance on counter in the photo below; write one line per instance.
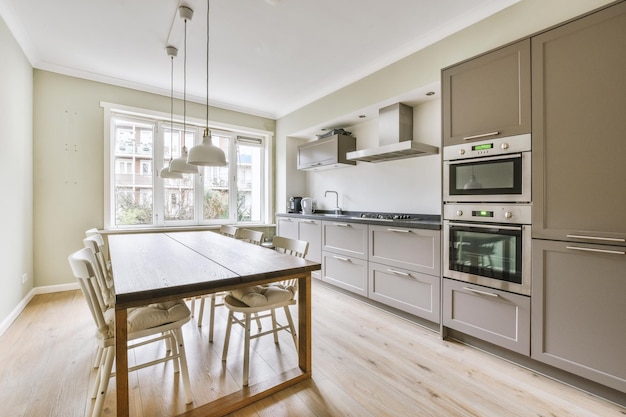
(308, 206)
(294, 205)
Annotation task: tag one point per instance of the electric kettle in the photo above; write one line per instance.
(307, 205)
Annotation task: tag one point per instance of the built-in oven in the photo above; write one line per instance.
(488, 244)
(497, 170)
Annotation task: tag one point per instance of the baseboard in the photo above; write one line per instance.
(6, 323)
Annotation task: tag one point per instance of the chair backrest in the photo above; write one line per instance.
(83, 264)
(289, 246)
(251, 236)
(227, 230)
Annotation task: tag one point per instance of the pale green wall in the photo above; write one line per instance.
(68, 160)
(416, 71)
(16, 171)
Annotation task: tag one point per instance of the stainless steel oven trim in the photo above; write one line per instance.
(523, 288)
(524, 197)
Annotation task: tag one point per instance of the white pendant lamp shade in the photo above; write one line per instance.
(206, 154)
(166, 173)
(180, 165)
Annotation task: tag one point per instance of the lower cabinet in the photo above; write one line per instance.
(344, 255)
(578, 309)
(345, 272)
(303, 229)
(406, 290)
(498, 317)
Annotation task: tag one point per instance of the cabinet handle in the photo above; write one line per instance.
(341, 258)
(342, 224)
(393, 271)
(399, 230)
(481, 135)
(308, 221)
(608, 239)
(490, 294)
(614, 252)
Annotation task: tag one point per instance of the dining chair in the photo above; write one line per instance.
(146, 325)
(105, 255)
(250, 236)
(262, 301)
(230, 231)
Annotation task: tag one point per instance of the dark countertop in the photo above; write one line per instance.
(417, 221)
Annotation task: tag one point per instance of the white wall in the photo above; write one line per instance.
(407, 185)
(16, 171)
(69, 158)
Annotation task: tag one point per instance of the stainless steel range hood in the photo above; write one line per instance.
(395, 134)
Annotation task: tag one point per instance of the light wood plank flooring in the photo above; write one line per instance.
(367, 363)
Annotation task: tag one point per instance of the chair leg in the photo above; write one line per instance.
(182, 359)
(212, 318)
(258, 321)
(96, 362)
(246, 351)
(291, 326)
(171, 340)
(193, 306)
(274, 325)
(229, 324)
(201, 312)
(103, 384)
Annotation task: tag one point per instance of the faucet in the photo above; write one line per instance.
(337, 208)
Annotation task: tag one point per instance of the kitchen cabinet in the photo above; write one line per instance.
(488, 96)
(309, 230)
(578, 309)
(579, 151)
(498, 317)
(404, 266)
(326, 153)
(344, 255)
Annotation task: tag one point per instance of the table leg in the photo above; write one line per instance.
(304, 323)
(121, 361)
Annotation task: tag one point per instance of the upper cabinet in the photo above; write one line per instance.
(579, 151)
(326, 153)
(488, 96)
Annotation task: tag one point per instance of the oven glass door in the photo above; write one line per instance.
(493, 251)
(501, 178)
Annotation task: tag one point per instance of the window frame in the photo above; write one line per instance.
(161, 121)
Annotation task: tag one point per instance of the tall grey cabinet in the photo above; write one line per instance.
(579, 196)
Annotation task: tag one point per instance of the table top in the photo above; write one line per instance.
(150, 267)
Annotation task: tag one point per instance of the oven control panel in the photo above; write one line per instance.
(498, 146)
(489, 213)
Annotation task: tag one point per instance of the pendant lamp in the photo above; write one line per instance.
(207, 154)
(180, 164)
(165, 171)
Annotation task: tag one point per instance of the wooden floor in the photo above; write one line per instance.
(366, 363)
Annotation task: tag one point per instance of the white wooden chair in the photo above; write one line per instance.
(263, 300)
(146, 325)
(230, 231)
(251, 236)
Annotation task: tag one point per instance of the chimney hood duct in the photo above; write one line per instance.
(395, 137)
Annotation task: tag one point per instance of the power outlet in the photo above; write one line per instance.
(24, 278)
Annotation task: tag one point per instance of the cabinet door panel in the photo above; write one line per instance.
(311, 231)
(414, 249)
(345, 272)
(348, 239)
(406, 290)
(579, 151)
(500, 318)
(578, 310)
(287, 227)
(488, 94)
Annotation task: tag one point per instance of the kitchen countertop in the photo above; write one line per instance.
(418, 221)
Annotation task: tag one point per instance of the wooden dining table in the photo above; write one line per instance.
(154, 267)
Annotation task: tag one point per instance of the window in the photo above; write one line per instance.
(140, 145)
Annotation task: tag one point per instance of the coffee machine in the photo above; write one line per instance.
(294, 205)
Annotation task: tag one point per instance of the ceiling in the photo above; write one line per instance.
(267, 57)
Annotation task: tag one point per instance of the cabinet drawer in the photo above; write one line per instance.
(495, 316)
(406, 290)
(348, 273)
(415, 249)
(349, 239)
